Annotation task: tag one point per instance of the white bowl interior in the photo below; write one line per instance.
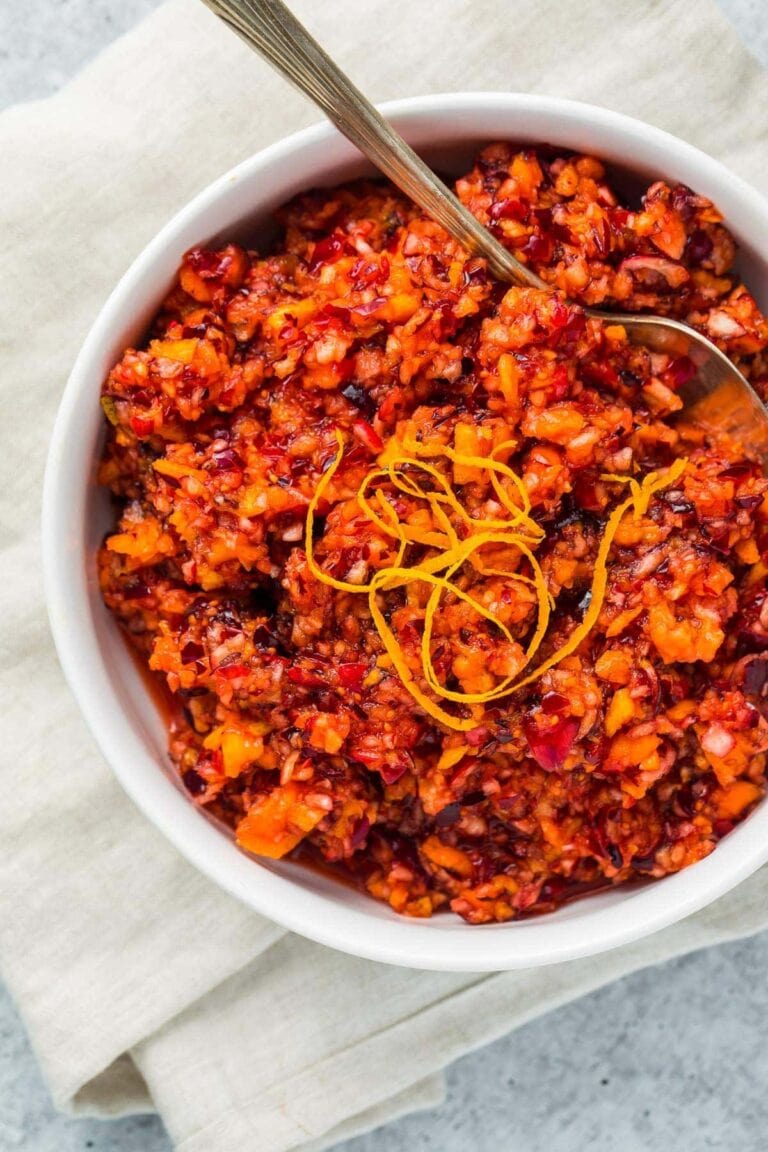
(105, 677)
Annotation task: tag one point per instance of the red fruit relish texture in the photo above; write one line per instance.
(271, 382)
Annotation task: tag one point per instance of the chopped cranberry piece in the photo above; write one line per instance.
(357, 396)
(351, 675)
(560, 383)
(336, 312)
(508, 209)
(136, 590)
(193, 782)
(738, 471)
(263, 637)
(328, 250)
(677, 503)
(192, 652)
(717, 537)
(366, 273)
(619, 218)
(305, 678)
(141, 426)
(680, 371)
(359, 833)
(585, 490)
(574, 329)
(448, 815)
(699, 246)
(539, 248)
(391, 773)
(369, 308)
(367, 436)
(748, 503)
(756, 675)
(601, 374)
(206, 262)
(226, 460)
(555, 704)
(477, 736)
(550, 745)
(232, 671)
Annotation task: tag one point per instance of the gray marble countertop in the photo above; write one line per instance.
(673, 1056)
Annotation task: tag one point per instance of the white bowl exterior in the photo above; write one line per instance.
(104, 677)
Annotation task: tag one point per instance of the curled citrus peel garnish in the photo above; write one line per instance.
(400, 465)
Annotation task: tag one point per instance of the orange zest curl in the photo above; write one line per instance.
(400, 464)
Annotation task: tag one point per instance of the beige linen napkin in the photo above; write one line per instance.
(140, 983)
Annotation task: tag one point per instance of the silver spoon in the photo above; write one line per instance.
(717, 398)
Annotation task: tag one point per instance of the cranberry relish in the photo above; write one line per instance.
(369, 327)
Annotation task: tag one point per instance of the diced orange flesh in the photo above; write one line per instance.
(732, 801)
(620, 622)
(747, 551)
(682, 641)
(277, 823)
(446, 857)
(681, 710)
(614, 666)
(180, 351)
(559, 423)
(620, 711)
(240, 744)
(145, 542)
(633, 751)
(328, 732)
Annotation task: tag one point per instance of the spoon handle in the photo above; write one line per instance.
(275, 33)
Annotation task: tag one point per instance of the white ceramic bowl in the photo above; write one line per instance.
(103, 676)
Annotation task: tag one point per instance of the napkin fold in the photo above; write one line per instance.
(142, 985)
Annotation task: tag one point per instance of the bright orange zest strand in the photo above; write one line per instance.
(520, 533)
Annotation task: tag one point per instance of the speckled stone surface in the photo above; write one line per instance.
(673, 1057)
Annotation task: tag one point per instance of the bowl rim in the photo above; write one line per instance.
(526, 943)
